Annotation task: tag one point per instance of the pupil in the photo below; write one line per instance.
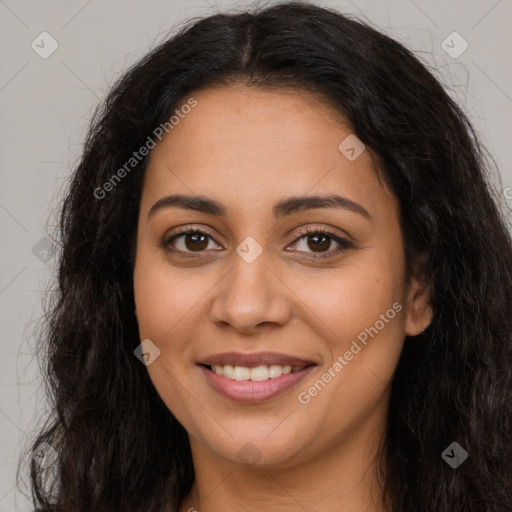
(197, 243)
(316, 245)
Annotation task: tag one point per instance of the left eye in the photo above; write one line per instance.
(319, 242)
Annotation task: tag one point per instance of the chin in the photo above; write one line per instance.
(258, 450)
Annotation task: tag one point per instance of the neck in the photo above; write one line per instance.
(344, 477)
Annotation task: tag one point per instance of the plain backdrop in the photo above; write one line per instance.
(46, 105)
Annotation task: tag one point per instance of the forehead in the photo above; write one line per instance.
(238, 117)
(262, 144)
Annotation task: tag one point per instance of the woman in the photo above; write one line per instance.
(284, 284)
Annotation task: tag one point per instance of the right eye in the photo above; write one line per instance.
(189, 240)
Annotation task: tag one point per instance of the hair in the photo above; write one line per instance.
(118, 445)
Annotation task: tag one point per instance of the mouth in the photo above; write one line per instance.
(256, 377)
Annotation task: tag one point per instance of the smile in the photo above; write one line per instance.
(257, 382)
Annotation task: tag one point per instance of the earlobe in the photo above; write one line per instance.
(419, 311)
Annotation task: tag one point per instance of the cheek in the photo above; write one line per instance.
(168, 303)
(360, 316)
(171, 307)
(353, 298)
(165, 296)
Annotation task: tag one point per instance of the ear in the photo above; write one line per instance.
(419, 311)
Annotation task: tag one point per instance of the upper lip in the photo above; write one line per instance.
(255, 359)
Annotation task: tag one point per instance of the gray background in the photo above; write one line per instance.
(47, 103)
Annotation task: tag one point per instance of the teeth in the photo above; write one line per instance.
(228, 371)
(258, 373)
(218, 369)
(276, 370)
(241, 373)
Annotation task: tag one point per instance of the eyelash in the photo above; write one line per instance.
(343, 243)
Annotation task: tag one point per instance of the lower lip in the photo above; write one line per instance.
(250, 391)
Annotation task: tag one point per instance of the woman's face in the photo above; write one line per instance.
(256, 293)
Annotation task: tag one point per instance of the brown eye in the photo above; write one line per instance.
(196, 241)
(318, 243)
(188, 241)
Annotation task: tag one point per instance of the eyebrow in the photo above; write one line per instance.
(282, 208)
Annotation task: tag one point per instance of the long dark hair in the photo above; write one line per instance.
(119, 447)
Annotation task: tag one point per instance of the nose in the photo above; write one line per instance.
(250, 297)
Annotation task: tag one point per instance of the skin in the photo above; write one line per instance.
(249, 148)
